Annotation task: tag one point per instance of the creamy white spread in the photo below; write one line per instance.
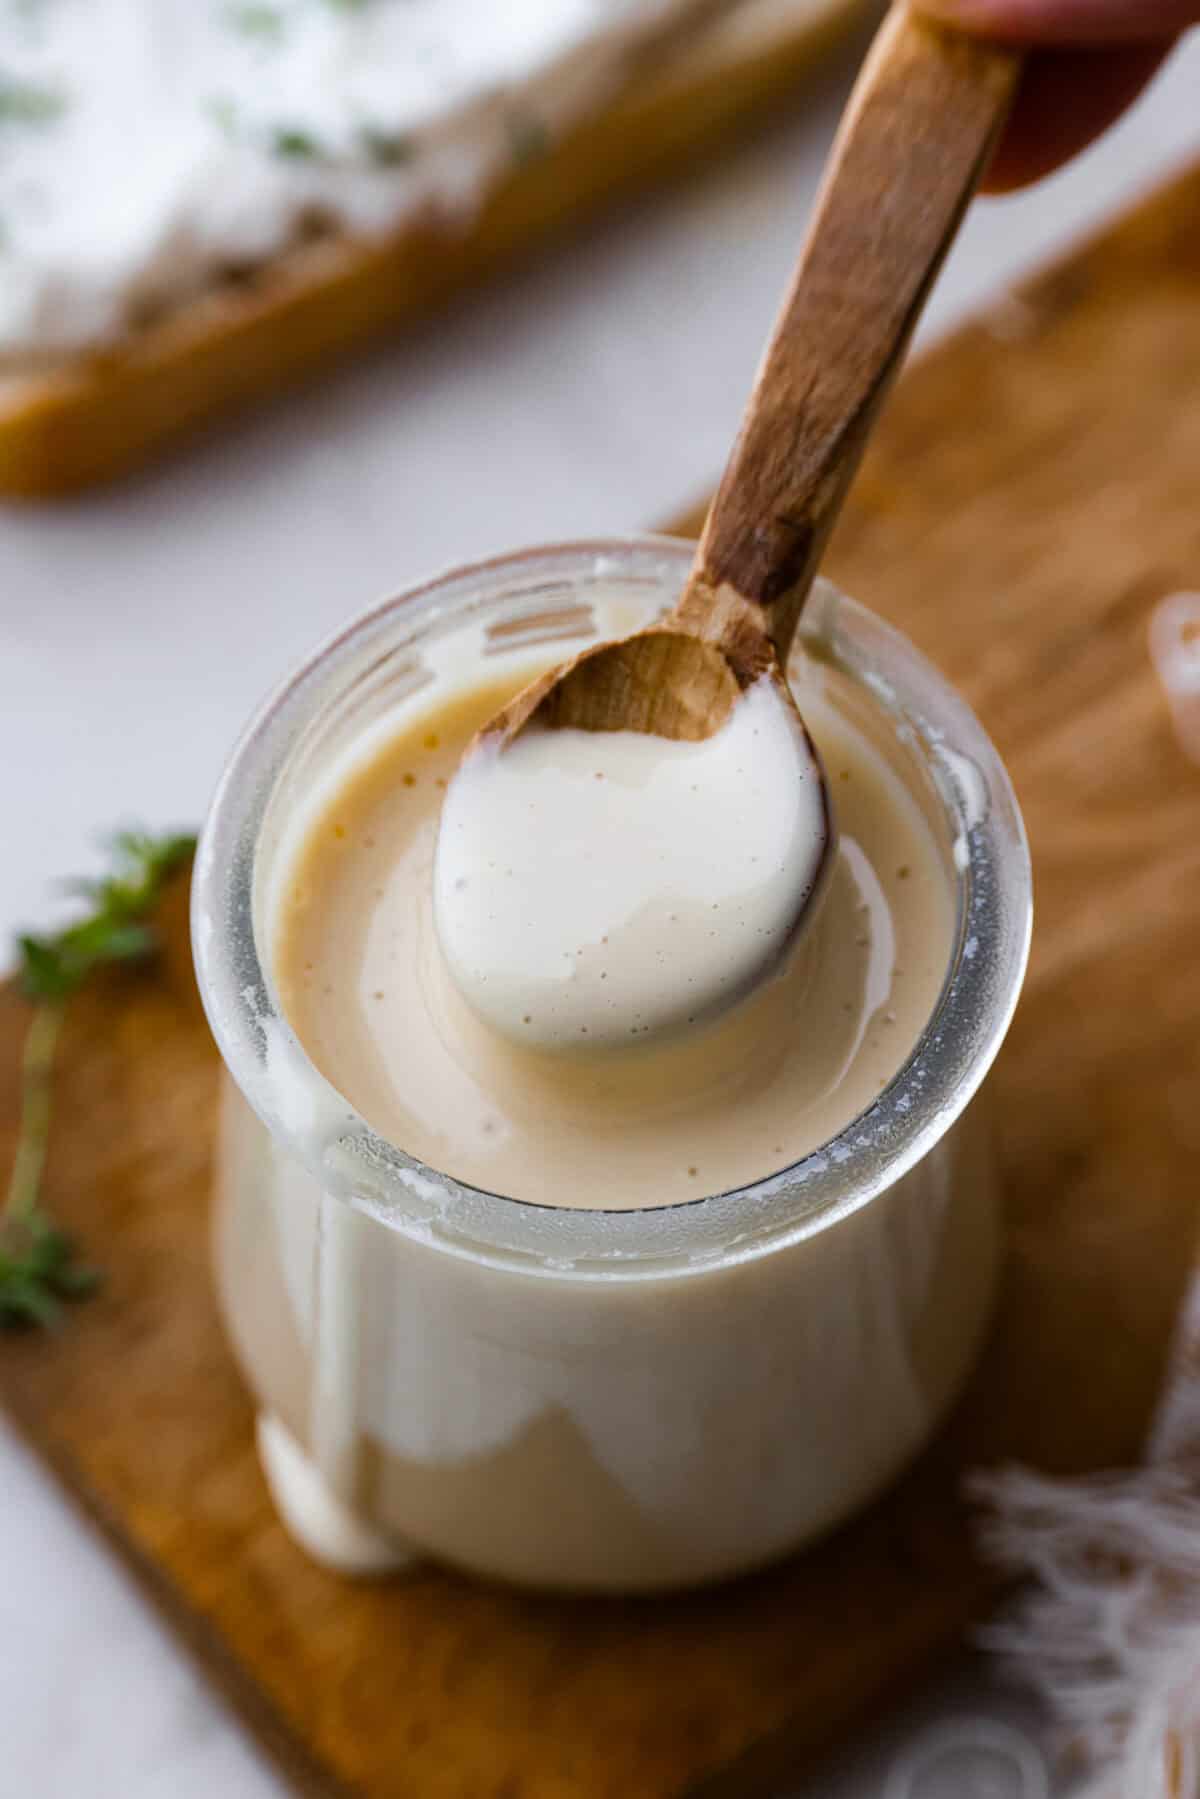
(150, 147)
(597, 887)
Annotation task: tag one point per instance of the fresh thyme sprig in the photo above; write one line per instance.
(39, 1268)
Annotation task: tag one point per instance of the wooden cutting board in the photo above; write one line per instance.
(1035, 490)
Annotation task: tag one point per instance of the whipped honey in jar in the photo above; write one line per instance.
(623, 1121)
(630, 1314)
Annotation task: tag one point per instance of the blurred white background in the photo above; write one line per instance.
(596, 392)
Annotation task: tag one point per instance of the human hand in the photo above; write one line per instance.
(1089, 60)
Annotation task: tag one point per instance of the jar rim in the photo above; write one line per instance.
(320, 1128)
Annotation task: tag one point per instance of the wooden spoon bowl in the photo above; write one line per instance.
(517, 921)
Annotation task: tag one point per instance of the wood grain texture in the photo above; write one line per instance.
(91, 418)
(663, 682)
(1031, 495)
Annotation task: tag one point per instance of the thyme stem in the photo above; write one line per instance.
(33, 1132)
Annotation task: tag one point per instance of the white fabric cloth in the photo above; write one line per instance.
(1109, 1630)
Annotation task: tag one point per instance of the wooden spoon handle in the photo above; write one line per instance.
(913, 144)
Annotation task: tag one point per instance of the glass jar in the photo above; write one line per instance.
(590, 1400)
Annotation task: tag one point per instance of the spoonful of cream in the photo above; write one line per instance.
(638, 838)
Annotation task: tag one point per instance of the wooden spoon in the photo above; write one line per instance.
(915, 139)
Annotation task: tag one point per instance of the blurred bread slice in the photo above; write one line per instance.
(72, 421)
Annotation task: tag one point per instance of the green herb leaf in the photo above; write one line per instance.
(25, 1301)
(52, 967)
(288, 141)
(42, 973)
(263, 22)
(39, 1270)
(390, 149)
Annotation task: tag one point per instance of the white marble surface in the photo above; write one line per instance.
(596, 392)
